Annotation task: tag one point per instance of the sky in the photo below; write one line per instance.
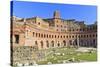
(23, 9)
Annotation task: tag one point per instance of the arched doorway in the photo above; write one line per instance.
(47, 43)
(36, 45)
(41, 44)
(52, 43)
(70, 42)
(58, 44)
(64, 43)
(75, 43)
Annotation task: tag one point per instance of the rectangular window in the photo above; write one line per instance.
(33, 34)
(17, 39)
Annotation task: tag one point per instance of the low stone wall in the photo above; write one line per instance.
(25, 55)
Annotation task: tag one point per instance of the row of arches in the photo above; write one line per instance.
(41, 35)
(64, 43)
(50, 44)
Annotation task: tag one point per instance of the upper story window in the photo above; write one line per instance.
(96, 35)
(44, 35)
(80, 29)
(55, 36)
(81, 35)
(52, 36)
(69, 36)
(33, 34)
(61, 26)
(39, 23)
(66, 36)
(64, 26)
(83, 29)
(47, 35)
(61, 36)
(58, 36)
(77, 29)
(36, 43)
(57, 25)
(73, 36)
(84, 36)
(39, 34)
(87, 35)
(76, 36)
(90, 35)
(93, 35)
(57, 29)
(36, 34)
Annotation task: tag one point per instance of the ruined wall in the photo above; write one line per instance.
(25, 55)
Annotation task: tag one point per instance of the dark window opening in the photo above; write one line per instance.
(17, 39)
(33, 34)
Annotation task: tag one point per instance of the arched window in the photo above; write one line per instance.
(77, 29)
(73, 36)
(58, 36)
(38, 23)
(81, 35)
(76, 36)
(52, 36)
(36, 34)
(61, 25)
(96, 35)
(69, 36)
(83, 29)
(93, 35)
(80, 29)
(33, 34)
(90, 36)
(84, 36)
(39, 34)
(55, 36)
(61, 36)
(47, 35)
(87, 36)
(44, 35)
(66, 36)
(36, 43)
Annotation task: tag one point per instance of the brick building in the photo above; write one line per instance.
(52, 32)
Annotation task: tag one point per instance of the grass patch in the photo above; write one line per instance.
(68, 54)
